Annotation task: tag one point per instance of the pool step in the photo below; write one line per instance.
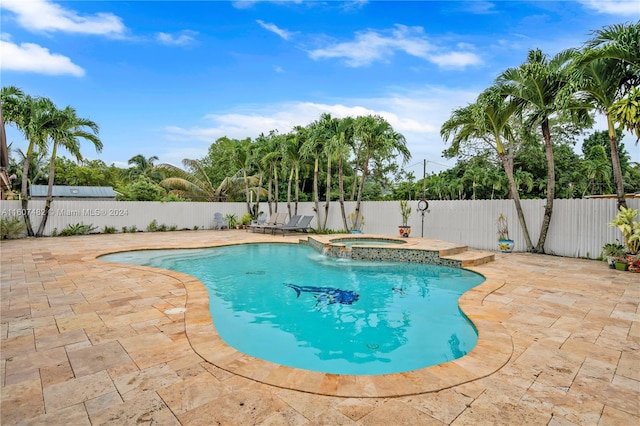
(470, 257)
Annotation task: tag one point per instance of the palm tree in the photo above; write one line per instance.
(612, 60)
(66, 129)
(340, 146)
(192, 183)
(378, 141)
(271, 159)
(489, 120)
(539, 88)
(626, 112)
(291, 152)
(313, 148)
(143, 166)
(599, 81)
(32, 117)
(596, 169)
(620, 43)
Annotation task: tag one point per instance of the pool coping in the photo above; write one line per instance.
(492, 351)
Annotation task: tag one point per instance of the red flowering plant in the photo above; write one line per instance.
(633, 263)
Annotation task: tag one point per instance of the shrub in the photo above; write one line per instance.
(11, 227)
(246, 219)
(109, 230)
(77, 229)
(152, 226)
(173, 227)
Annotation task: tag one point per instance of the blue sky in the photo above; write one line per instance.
(168, 78)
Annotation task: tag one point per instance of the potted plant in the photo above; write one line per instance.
(405, 212)
(232, 220)
(356, 225)
(504, 242)
(614, 252)
(630, 228)
(246, 219)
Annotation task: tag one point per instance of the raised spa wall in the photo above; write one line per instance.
(385, 253)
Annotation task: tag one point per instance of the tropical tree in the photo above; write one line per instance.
(312, 149)
(489, 120)
(539, 88)
(595, 167)
(625, 112)
(621, 43)
(271, 158)
(190, 183)
(340, 146)
(598, 81)
(378, 141)
(612, 59)
(292, 157)
(66, 129)
(143, 166)
(33, 118)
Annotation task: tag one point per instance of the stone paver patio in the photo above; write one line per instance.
(89, 342)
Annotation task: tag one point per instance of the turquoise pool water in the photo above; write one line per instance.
(288, 304)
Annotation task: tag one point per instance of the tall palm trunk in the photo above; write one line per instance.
(297, 188)
(246, 190)
(328, 193)
(615, 163)
(507, 164)
(316, 198)
(24, 190)
(269, 199)
(277, 193)
(47, 206)
(341, 193)
(365, 169)
(289, 191)
(551, 186)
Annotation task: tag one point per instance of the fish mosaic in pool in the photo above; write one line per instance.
(326, 295)
(334, 315)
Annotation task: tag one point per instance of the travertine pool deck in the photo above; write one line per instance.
(89, 342)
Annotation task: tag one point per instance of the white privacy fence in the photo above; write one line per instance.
(578, 226)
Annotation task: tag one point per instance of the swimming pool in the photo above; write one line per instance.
(287, 304)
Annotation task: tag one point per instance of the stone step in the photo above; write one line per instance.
(471, 257)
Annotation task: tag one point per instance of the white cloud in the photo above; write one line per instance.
(456, 59)
(30, 57)
(614, 7)
(417, 114)
(371, 46)
(480, 7)
(286, 35)
(44, 15)
(180, 39)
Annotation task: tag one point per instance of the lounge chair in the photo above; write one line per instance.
(294, 220)
(302, 225)
(279, 221)
(219, 222)
(263, 221)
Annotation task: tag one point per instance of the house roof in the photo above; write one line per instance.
(74, 191)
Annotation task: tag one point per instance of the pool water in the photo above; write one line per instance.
(288, 304)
